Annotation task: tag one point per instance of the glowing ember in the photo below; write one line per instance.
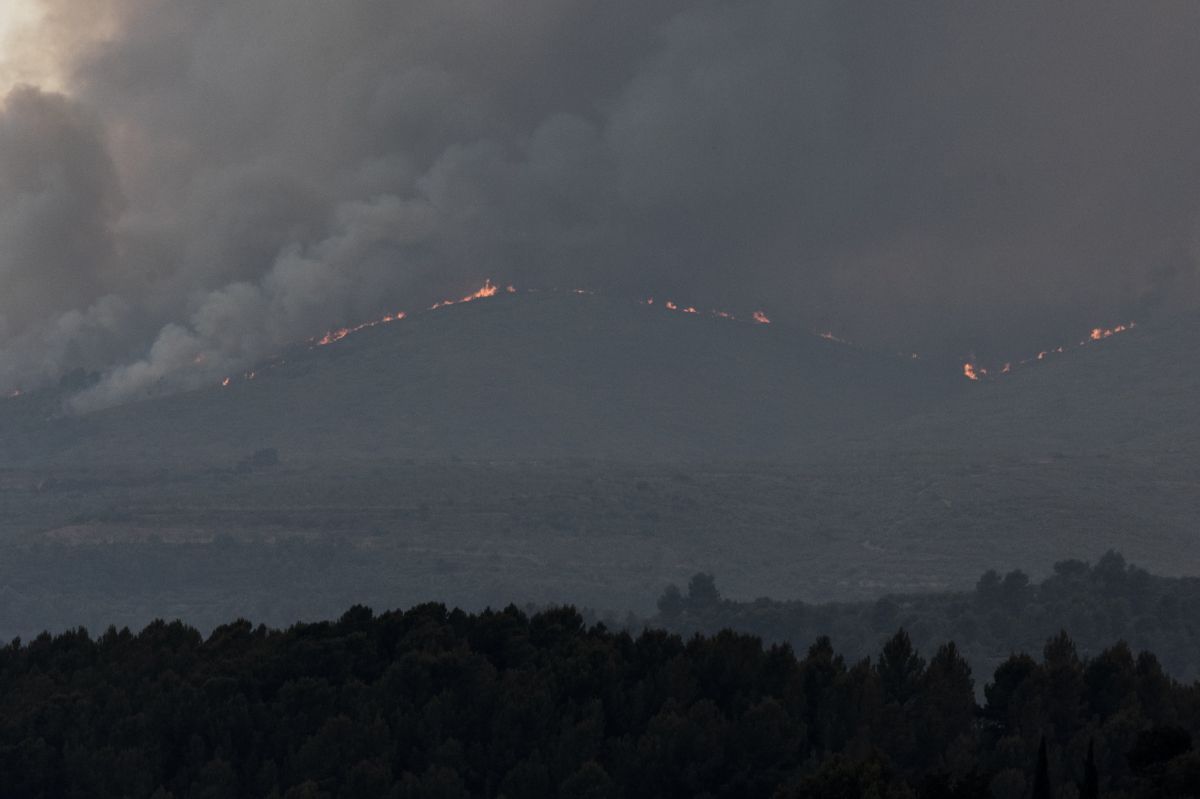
(511, 289)
(969, 371)
(1099, 333)
(225, 383)
(717, 313)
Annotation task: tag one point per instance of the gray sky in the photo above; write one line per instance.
(218, 178)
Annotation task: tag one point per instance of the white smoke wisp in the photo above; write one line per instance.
(242, 322)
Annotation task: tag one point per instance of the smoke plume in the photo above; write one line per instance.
(186, 187)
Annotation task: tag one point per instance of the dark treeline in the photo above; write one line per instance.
(1101, 603)
(437, 703)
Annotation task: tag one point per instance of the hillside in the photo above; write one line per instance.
(565, 375)
(515, 377)
(1135, 393)
(470, 455)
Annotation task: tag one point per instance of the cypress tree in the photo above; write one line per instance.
(1090, 789)
(1041, 777)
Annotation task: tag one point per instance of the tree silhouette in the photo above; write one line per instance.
(900, 668)
(702, 591)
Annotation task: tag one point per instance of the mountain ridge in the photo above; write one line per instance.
(524, 376)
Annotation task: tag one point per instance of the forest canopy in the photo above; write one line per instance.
(432, 702)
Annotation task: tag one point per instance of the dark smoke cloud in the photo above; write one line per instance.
(222, 178)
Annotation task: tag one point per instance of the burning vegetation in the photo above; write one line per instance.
(339, 334)
(487, 290)
(971, 370)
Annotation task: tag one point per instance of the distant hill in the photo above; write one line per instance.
(527, 376)
(1099, 604)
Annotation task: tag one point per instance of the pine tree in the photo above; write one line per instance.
(1041, 778)
(1090, 788)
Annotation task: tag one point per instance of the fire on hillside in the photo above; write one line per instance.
(973, 371)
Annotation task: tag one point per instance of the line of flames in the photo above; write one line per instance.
(340, 333)
(757, 317)
(488, 289)
(973, 371)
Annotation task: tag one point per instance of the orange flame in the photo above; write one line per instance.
(969, 371)
(342, 332)
(488, 290)
(225, 383)
(760, 318)
(672, 306)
